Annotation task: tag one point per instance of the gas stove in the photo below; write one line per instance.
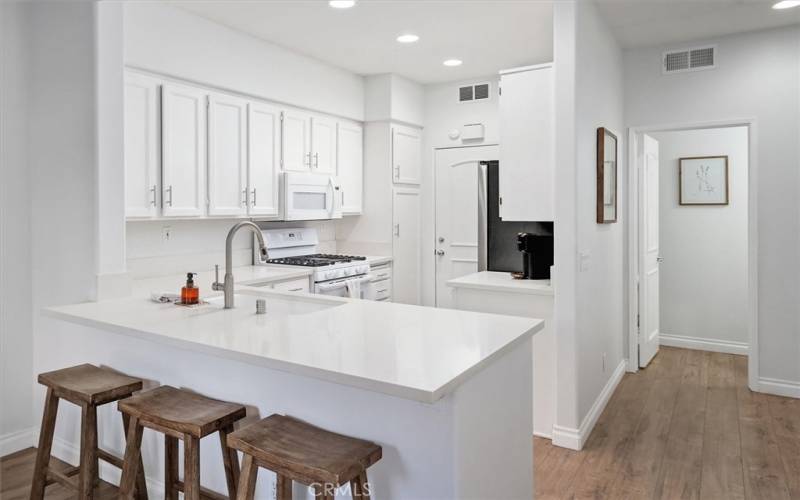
(298, 247)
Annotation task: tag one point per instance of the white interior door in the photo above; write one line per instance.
(457, 171)
(648, 253)
(227, 164)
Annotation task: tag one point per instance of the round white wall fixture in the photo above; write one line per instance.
(454, 134)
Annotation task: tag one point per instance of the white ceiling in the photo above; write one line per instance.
(488, 35)
(639, 23)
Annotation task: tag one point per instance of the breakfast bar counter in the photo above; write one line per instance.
(446, 393)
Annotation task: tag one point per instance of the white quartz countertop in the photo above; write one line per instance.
(378, 260)
(503, 282)
(412, 352)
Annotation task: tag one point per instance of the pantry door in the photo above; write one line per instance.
(458, 173)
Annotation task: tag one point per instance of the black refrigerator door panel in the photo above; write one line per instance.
(502, 253)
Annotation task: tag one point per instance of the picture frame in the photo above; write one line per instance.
(703, 180)
(607, 162)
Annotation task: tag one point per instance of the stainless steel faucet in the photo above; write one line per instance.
(227, 287)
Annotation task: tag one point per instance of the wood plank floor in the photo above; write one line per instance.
(686, 427)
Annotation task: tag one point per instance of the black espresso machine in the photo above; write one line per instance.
(537, 255)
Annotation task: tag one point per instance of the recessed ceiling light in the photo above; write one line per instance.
(407, 38)
(342, 4)
(453, 62)
(786, 4)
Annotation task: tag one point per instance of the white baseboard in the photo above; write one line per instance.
(543, 435)
(70, 453)
(778, 387)
(574, 439)
(702, 344)
(17, 440)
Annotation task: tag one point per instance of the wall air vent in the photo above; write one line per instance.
(694, 59)
(476, 92)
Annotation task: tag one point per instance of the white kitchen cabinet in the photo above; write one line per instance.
(263, 159)
(323, 145)
(183, 150)
(295, 285)
(406, 155)
(227, 156)
(142, 179)
(350, 166)
(526, 175)
(296, 141)
(406, 245)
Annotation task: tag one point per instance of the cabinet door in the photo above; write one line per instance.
(184, 150)
(227, 167)
(406, 155)
(526, 172)
(141, 146)
(350, 166)
(406, 245)
(296, 137)
(263, 130)
(323, 145)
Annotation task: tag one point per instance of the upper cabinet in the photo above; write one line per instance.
(142, 183)
(323, 145)
(406, 155)
(227, 156)
(264, 159)
(183, 150)
(526, 174)
(350, 166)
(296, 145)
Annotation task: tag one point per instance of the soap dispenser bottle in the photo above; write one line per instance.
(190, 294)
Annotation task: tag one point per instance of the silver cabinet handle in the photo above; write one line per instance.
(308, 160)
(153, 192)
(244, 197)
(397, 229)
(169, 192)
(383, 275)
(316, 160)
(440, 252)
(253, 201)
(397, 172)
(296, 290)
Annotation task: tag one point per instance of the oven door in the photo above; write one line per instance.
(310, 197)
(357, 287)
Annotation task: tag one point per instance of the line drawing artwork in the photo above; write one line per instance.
(703, 175)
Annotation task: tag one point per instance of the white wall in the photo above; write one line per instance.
(196, 246)
(703, 278)
(16, 345)
(589, 299)
(171, 41)
(757, 76)
(444, 113)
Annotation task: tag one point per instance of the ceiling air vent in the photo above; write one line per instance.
(477, 92)
(694, 59)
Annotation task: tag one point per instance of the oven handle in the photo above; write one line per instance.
(333, 285)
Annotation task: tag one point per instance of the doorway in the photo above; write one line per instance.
(692, 240)
(457, 202)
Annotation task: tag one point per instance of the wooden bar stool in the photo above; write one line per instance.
(179, 414)
(87, 386)
(297, 451)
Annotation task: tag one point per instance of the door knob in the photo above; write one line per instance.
(440, 252)
(441, 239)
(659, 259)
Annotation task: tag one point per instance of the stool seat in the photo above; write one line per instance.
(90, 384)
(182, 411)
(303, 452)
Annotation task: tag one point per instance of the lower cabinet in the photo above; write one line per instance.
(406, 245)
(295, 285)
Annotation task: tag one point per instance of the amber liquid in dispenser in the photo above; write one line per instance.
(190, 294)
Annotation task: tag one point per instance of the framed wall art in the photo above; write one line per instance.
(703, 180)
(606, 176)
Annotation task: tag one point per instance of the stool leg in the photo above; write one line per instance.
(45, 443)
(231, 461)
(247, 481)
(359, 487)
(130, 464)
(191, 467)
(88, 465)
(141, 483)
(283, 488)
(170, 467)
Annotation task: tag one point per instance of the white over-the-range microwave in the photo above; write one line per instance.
(310, 196)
